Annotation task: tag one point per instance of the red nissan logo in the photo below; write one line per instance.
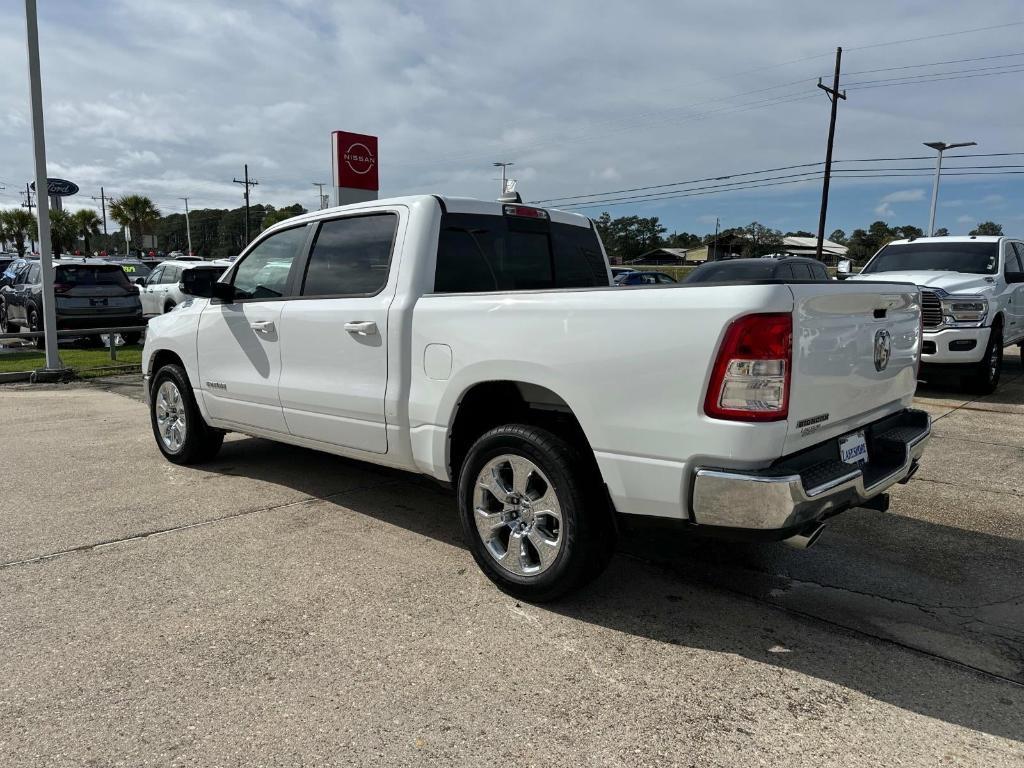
(359, 158)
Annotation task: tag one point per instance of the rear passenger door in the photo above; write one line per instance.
(334, 334)
(1014, 293)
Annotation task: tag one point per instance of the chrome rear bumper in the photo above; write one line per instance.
(805, 488)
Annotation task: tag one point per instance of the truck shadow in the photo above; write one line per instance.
(743, 599)
(935, 383)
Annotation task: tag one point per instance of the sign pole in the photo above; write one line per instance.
(42, 206)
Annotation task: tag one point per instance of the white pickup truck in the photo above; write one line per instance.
(972, 299)
(482, 344)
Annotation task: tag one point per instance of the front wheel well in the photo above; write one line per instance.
(491, 404)
(161, 358)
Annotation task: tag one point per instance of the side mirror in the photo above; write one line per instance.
(139, 281)
(223, 291)
(1015, 277)
(197, 282)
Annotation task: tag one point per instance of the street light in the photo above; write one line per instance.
(941, 147)
(503, 166)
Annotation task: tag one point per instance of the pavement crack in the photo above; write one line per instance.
(82, 548)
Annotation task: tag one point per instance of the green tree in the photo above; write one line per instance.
(802, 233)
(758, 240)
(137, 212)
(63, 231)
(987, 228)
(941, 232)
(87, 223)
(281, 214)
(838, 236)
(20, 226)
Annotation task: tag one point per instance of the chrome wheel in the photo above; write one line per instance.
(517, 515)
(170, 416)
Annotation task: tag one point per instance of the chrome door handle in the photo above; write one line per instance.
(362, 327)
(262, 326)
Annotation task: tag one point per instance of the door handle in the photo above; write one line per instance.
(262, 326)
(361, 327)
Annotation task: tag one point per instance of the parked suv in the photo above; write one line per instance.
(90, 293)
(165, 287)
(972, 299)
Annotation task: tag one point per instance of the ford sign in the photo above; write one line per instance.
(59, 187)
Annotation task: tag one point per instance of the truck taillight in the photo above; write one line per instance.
(750, 379)
(62, 287)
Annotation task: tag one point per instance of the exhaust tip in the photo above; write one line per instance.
(806, 538)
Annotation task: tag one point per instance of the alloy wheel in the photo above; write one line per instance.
(170, 416)
(517, 514)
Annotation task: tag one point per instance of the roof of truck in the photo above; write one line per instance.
(450, 203)
(952, 239)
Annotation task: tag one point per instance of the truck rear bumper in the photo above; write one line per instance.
(813, 484)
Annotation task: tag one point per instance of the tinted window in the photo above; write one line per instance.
(171, 274)
(351, 256)
(87, 274)
(505, 253)
(820, 273)
(785, 272)
(664, 279)
(33, 275)
(968, 257)
(733, 271)
(802, 271)
(155, 276)
(1015, 261)
(135, 271)
(263, 273)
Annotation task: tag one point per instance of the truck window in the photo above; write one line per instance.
(351, 256)
(263, 273)
(979, 258)
(477, 252)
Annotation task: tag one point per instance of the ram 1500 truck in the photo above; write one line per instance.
(482, 344)
(972, 299)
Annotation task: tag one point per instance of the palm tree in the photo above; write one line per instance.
(87, 223)
(19, 224)
(63, 231)
(137, 212)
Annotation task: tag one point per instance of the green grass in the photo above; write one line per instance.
(84, 362)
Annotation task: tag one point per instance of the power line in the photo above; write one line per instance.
(889, 84)
(934, 64)
(935, 37)
(998, 69)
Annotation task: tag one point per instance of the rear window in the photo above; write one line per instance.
(723, 271)
(967, 257)
(135, 271)
(477, 252)
(92, 275)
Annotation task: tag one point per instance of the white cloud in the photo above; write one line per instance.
(884, 209)
(966, 219)
(904, 196)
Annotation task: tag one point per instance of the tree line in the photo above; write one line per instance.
(629, 237)
(216, 232)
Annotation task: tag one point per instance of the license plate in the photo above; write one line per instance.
(853, 449)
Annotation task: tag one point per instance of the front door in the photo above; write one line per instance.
(334, 335)
(1014, 293)
(239, 344)
(148, 294)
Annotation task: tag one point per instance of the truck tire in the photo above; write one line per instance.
(984, 379)
(6, 326)
(182, 435)
(534, 512)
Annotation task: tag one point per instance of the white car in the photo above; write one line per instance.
(164, 288)
(972, 295)
(468, 341)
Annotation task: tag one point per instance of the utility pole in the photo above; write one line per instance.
(714, 253)
(321, 186)
(30, 205)
(248, 183)
(103, 206)
(503, 166)
(188, 229)
(834, 96)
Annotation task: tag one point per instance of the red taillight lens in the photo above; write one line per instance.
(62, 287)
(750, 380)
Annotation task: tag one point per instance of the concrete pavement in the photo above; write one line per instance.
(282, 607)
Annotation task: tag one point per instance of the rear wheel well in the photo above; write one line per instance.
(493, 403)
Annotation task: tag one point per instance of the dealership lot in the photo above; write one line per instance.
(282, 607)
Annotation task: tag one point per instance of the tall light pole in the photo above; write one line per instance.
(42, 204)
(320, 185)
(941, 147)
(503, 166)
(188, 229)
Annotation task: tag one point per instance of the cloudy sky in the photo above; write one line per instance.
(170, 99)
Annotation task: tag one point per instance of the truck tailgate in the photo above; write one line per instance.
(855, 353)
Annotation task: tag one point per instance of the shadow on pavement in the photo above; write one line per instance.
(942, 384)
(923, 592)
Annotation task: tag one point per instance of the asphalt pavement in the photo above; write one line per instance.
(284, 607)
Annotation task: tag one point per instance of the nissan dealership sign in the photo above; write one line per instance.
(355, 166)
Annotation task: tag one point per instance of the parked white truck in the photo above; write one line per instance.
(482, 344)
(972, 299)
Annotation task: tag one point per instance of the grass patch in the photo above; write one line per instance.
(84, 362)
